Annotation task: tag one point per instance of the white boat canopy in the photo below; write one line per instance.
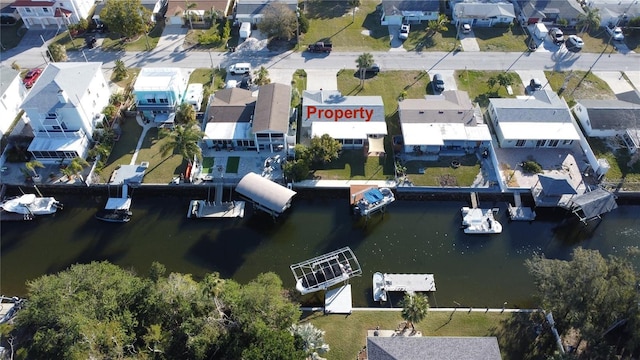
(326, 270)
(266, 195)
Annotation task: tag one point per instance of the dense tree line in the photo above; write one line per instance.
(101, 311)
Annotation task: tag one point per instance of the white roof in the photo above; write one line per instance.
(158, 78)
(265, 193)
(348, 129)
(227, 130)
(437, 134)
(534, 131)
(118, 204)
(43, 143)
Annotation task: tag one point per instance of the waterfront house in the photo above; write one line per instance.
(158, 92)
(64, 108)
(432, 347)
(482, 13)
(397, 12)
(252, 11)
(548, 12)
(355, 121)
(445, 124)
(613, 119)
(177, 11)
(42, 14)
(541, 120)
(237, 120)
(12, 93)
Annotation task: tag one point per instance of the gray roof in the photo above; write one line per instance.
(433, 348)
(265, 193)
(612, 114)
(594, 203)
(332, 97)
(450, 107)
(73, 78)
(255, 7)
(7, 76)
(396, 7)
(614, 8)
(543, 106)
(484, 10)
(565, 9)
(231, 105)
(553, 185)
(632, 96)
(272, 108)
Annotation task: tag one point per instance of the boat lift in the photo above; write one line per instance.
(324, 271)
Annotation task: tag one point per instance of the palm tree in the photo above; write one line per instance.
(184, 141)
(186, 114)
(75, 167)
(32, 165)
(590, 19)
(262, 76)
(438, 25)
(364, 62)
(414, 308)
(188, 12)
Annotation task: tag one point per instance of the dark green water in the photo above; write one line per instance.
(413, 237)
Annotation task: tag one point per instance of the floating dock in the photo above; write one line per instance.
(338, 301)
(519, 212)
(406, 283)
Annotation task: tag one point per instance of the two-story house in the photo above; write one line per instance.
(42, 14)
(64, 108)
(12, 93)
(158, 92)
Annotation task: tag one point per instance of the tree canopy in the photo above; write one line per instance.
(324, 148)
(590, 295)
(101, 311)
(364, 62)
(184, 141)
(415, 308)
(278, 21)
(126, 17)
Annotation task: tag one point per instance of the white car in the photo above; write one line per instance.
(615, 33)
(404, 32)
(574, 43)
(466, 28)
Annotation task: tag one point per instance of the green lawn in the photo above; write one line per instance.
(114, 42)
(203, 76)
(441, 173)
(354, 165)
(207, 164)
(501, 38)
(232, 164)
(422, 40)
(334, 21)
(161, 169)
(579, 85)
(123, 149)
(476, 84)
(64, 39)
(346, 335)
(619, 175)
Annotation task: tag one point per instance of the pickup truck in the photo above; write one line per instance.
(320, 47)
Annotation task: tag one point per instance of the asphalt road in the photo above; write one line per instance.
(176, 57)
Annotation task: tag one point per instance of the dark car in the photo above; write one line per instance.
(90, 41)
(373, 69)
(246, 83)
(31, 77)
(437, 83)
(534, 85)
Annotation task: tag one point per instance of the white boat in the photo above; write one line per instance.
(117, 209)
(30, 204)
(379, 292)
(480, 221)
(324, 271)
(373, 200)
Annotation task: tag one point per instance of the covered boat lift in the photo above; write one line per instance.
(591, 205)
(326, 270)
(265, 194)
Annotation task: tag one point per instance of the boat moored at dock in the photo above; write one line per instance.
(117, 209)
(480, 221)
(410, 283)
(324, 271)
(371, 200)
(32, 205)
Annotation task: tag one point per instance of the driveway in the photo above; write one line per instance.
(172, 38)
(447, 77)
(322, 79)
(616, 81)
(469, 42)
(281, 76)
(634, 77)
(527, 75)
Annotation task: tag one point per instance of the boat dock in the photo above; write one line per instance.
(199, 209)
(409, 282)
(519, 212)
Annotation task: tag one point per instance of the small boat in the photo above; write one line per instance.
(30, 204)
(373, 199)
(117, 209)
(480, 221)
(379, 293)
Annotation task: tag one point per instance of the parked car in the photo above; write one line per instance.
(556, 35)
(534, 85)
(466, 28)
(404, 32)
(90, 41)
(31, 77)
(437, 83)
(615, 32)
(574, 43)
(373, 69)
(246, 82)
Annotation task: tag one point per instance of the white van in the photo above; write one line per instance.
(240, 68)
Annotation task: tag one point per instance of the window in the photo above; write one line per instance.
(163, 101)
(151, 101)
(46, 10)
(567, 142)
(521, 142)
(27, 10)
(553, 143)
(357, 141)
(541, 143)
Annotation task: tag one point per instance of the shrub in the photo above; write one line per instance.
(531, 167)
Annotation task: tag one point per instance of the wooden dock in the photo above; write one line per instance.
(409, 282)
(519, 212)
(201, 209)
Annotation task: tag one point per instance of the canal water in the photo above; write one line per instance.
(412, 237)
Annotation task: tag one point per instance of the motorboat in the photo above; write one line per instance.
(324, 271)
(480, 221)
(117, 209)
(379, 292)
(30, 204)
(373, 200)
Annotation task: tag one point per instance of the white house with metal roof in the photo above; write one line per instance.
(542, 120)
(443, 124)
(12, 93)
(610, 118)
(352, 120)
(64, 108)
